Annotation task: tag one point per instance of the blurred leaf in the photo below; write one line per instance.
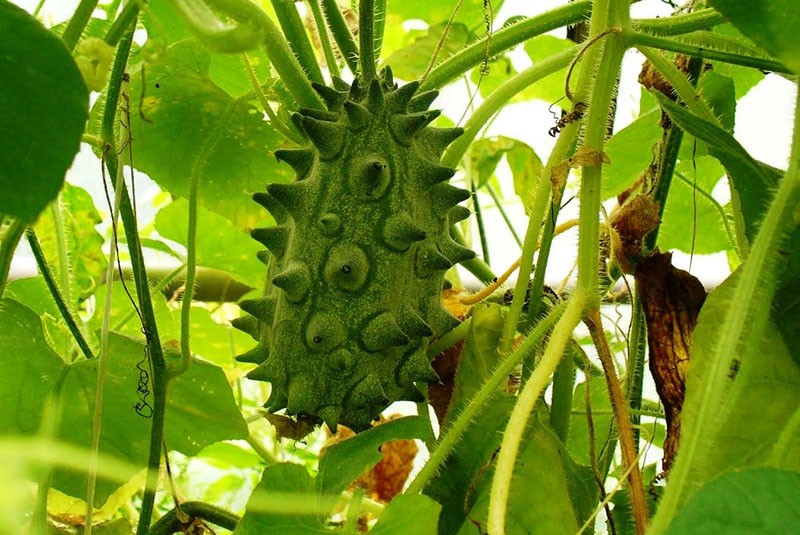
(31, 369)
(470, 12)
(39, 141)
(786, 307)
(280, 484)
(702, 232)
(625, 150)
(771, 24)
(219, 245)
(186, 125)
(350, 458)
(226, 455)
(526, 169)
(411, 61)
(84, 245)
(409, 514)
(485, 154)
(760, 500)
(550, 89)
(200, 411)
(751, 180)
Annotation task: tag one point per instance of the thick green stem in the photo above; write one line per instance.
(455, 432)
(634, 381)
(641, 40)
(191, 242)
(341, 34)
(458, 64)
(324, 39)
(743, 327)
(47, 275)
(366, 40)
(450, 339)
(7, 248)
(130, 11)
(170, 523)
(702, 19)
(517, 423)
(295, 33)
(80, 18)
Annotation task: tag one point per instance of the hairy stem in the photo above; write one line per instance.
(366, 40)
(619, 406)
(517, 423)
(456, 431)
(295, 33)
(702, 19)
(77, 23)
(47, 275)
(341, 34)
(324, 39)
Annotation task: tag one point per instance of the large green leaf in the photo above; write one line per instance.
(409, 514)
(411, 61)
(551, 88)
(283, 502)
(200, 411)
(540, 498)
(350, 458)
(84, 245)
(624, 149)
(604, 438)
(759, 500)
(751, 181)
(478, 358)
(771, 24)
(44, 108)
(469, 12)
(219, 245)
(526, 170)
(30, 369)
(188, 126)
(761, 396)
(691, 222)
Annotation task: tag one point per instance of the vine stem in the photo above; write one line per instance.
(455, 432)
(47, 275)
(77, 23)
(296, 35)
(517, 423)
(324, 39)
(619, 406)
(171, 522)
(341, 34)
(191, 243)
(743, 327)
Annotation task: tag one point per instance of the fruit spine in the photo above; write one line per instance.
(357, 257)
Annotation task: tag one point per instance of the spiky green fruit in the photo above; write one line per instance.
(357, 260)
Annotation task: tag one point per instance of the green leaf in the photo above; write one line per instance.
(745, 427)
(284, 502)
(188, 126)
(786, 303)
(200, 411)
(478, 358)
(771, 24)
(744, 78)
(578, 441)
(350, 458)
(751, 181)
(760, 500)
(219, 245)
(485, 154)
(469, 11)
(526, 169)
(411, 61)
(539, 498)
(409, 514)
(691, 222)
(39, 141)
(624, 149)
(550, 89)
(31, 370)
(84, 245)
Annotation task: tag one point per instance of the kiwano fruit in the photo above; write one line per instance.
(357, 258)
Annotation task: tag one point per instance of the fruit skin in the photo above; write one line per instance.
(357, 257)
